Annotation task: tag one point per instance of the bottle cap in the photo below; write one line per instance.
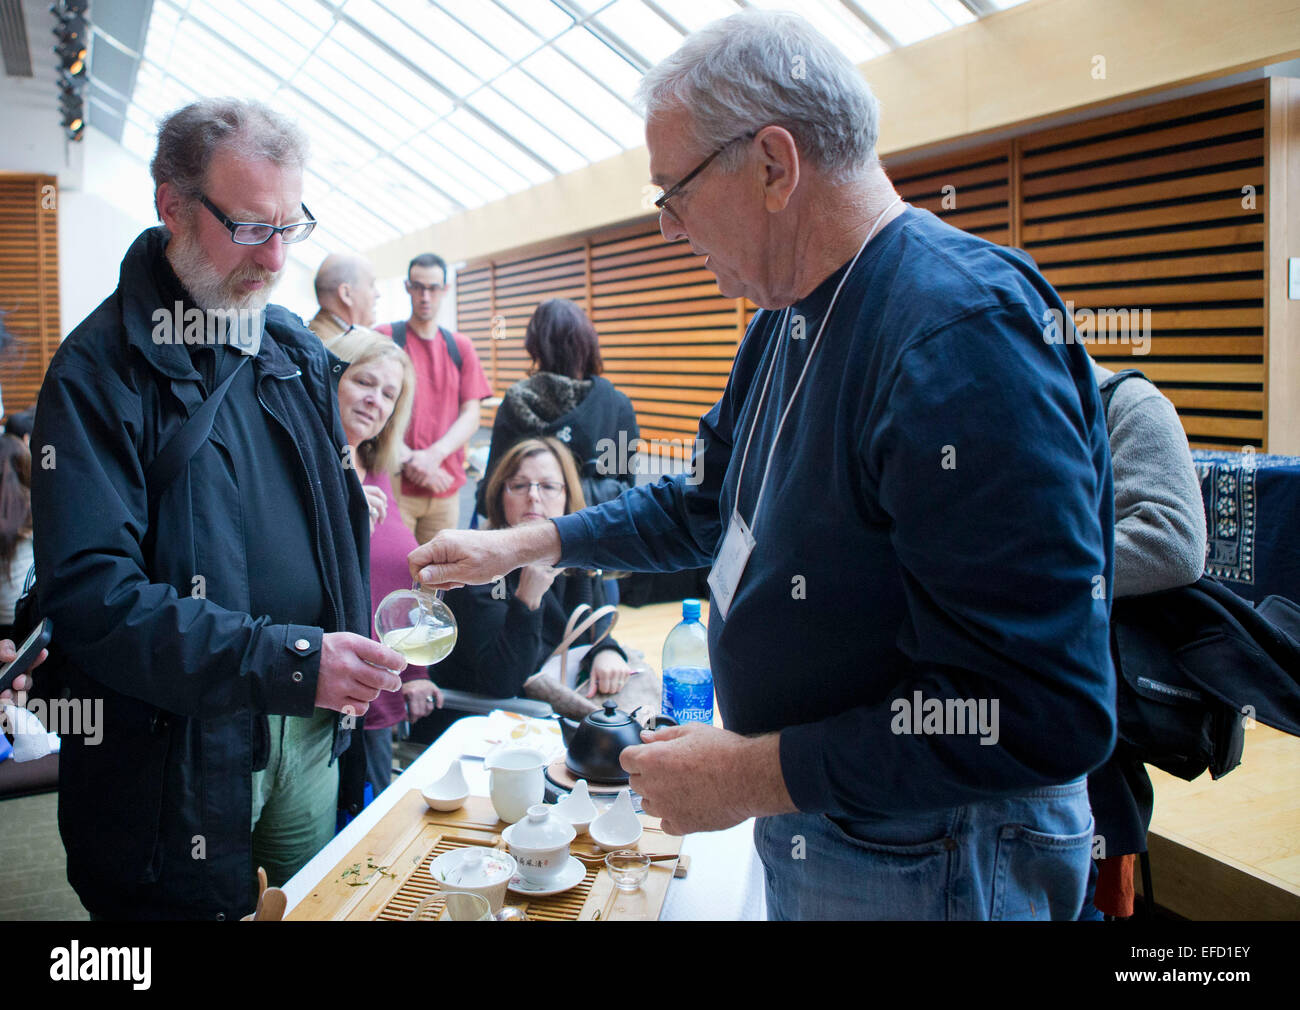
(690, 610)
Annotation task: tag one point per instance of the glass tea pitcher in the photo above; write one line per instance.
(418, 624)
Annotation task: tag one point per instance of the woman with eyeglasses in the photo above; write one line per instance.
(566, 396)
(509, 627)
(374, 395)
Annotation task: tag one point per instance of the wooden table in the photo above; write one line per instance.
(725, 881)
(386, 874)
(1231, 849)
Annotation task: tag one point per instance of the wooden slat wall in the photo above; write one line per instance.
(667, 335)
(1138, 210)
(29, 283)
(1145, 210)
(970, 190)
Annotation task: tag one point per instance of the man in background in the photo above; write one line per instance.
(449, 385)
(346, 292)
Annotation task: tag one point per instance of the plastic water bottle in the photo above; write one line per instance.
(688, 683)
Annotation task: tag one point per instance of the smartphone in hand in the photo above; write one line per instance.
(27, 654)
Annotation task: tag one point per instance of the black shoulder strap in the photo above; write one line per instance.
(1110, 385)
(182, 446)
(453, 351)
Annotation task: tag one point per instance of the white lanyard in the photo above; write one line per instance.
(762, 486)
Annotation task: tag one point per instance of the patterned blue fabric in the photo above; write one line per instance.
(1252, 515)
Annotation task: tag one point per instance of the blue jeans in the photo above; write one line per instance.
(1023, 857)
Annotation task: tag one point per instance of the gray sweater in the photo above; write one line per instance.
(1160, 537)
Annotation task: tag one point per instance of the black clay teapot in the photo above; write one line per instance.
(595, 743)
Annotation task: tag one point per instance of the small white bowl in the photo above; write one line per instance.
(577, 807)
(446, 869)
(449, 792)
(618, 827)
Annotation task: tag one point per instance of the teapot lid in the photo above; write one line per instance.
(611, 717)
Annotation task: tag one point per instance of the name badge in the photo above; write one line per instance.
(737, 546)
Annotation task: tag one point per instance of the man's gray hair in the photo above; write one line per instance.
(758, 68)
(336, 270)
(189, 137)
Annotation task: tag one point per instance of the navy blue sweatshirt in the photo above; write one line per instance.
(938, 520)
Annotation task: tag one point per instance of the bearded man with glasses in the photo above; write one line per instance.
(202, 545)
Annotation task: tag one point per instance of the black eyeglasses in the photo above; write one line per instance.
(662, 203)
(256, 233)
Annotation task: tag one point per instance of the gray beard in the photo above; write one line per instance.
(205, 284)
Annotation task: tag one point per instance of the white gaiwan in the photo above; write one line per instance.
(476, 870)
(540, 844)
(618, 827)
(577, 808)
(449, 792)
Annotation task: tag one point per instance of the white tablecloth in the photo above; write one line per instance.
(725, 880)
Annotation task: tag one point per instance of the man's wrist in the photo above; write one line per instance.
(757, 765)
(535, 543)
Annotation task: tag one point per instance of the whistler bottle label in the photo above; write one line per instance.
(688, 694)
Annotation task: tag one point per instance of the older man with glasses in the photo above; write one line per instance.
(906, 504)
(202, 545)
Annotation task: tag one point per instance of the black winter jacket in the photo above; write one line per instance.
(579, 413)
(156, 818)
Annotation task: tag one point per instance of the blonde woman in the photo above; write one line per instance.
(375, 396)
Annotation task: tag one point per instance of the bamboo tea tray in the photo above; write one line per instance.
(386, 875)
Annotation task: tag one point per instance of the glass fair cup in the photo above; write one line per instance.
(458, 906)
(629, 869)
(465, 907)
(418, 624)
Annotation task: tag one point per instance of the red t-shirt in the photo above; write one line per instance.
(440, 390)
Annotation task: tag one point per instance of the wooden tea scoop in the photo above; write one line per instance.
(598, 858)
(261, 892)
(274, 905)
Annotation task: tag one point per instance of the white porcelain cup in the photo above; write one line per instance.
(540, 845)
(515, 781)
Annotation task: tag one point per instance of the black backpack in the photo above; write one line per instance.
(453, 352)
(1196, 663)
